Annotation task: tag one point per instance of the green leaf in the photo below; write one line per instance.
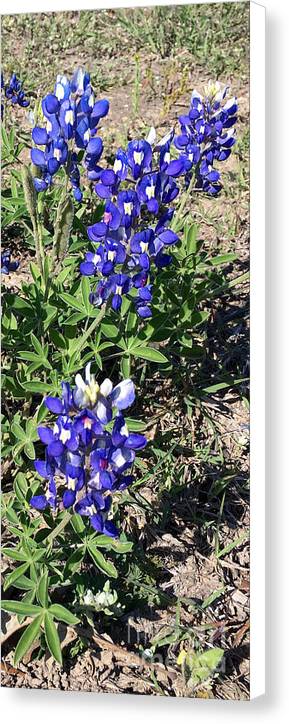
(232, 545)
(29, 450)
(202, 666)
(149, 353)
(20, 487)
(23, 609)
(121, 547)
(37, 386)
(101, 563)
(224, 385)
(40, 360)
(30, 634)
(14, 554)
(125, 366)
(135, 425)
(102, 541)
(74, 562)
(42, 591)
(63, 614)
(17, 431)
(24, 584)
(191, 239)
(77, 523)
(52, 638)
(36, 344)
(57, 339)
(198, 318)
(38, 554)
(71, 301)
(85, 292)
(12, 577)
(110, 330)
(223, 259)
(75, 318)
(212, 597)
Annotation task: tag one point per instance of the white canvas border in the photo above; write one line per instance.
(257, 169)
(257, 349)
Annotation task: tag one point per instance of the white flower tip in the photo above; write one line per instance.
(151, 137)
(106, 387)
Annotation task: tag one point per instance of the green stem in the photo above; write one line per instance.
(183, 203)
(90, 329)
(40, 242)
(58, 528)
(37, 247)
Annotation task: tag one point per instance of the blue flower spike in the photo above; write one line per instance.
(85, 463)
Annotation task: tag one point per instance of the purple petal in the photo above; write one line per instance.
(39, 502)
(110, 529)
(39, 136)
(37, 157)
(41, 468)
(135, 441)
(95, 147)
(51, 103)
(100, 109)
(175, 168)
(97, 522)
(168, 237)
(53, 404)
(55, 448)
(45, 434)
(102, 191)
(69, 498)
(87, 268)
(108, 177)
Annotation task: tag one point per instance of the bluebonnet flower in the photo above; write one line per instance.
(149, 191)
(206, 136)
(129, 206)
(40, 502)
(84, 462)
(7, 265)
(149, 243)
(110, 222)
(101, 399)
(12, 92)
(109, 180)
(164, 148)
(71, 117)
(143, 183)
(139, 156)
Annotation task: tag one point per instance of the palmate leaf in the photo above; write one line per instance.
(52, 638)
(30, 634)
